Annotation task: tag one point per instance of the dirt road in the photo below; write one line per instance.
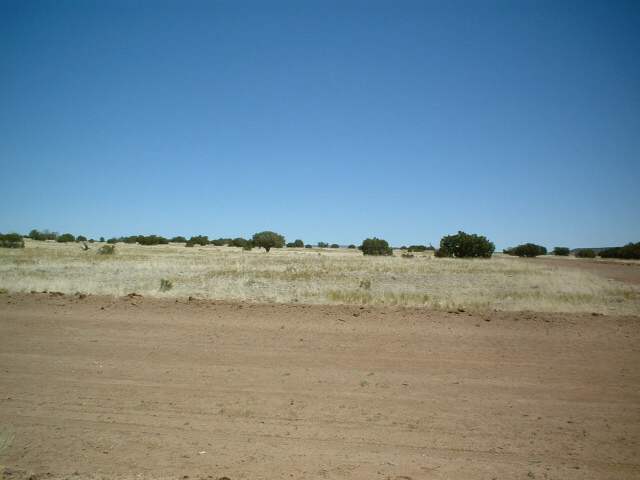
(131, 387)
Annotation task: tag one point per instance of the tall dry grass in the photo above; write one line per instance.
(313, 276)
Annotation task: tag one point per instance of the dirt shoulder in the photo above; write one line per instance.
(134, 387)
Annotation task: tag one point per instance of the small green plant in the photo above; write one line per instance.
(585, 253)
(108, 249)
(365, 284)
(165, 285)
(376, 246)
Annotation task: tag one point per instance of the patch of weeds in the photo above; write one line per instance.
(365, 284)
(165, 285)
(107, 249)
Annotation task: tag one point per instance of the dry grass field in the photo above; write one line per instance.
(312, 276)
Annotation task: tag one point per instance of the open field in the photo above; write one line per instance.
(328, 276)
(149, 388)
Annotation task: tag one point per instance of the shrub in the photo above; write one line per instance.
(188, 244)
(585, 253)
(65, 238)
(165, 285)
(375, 246)
(199, 240)
(112, 240)
(81, 238)
(296, 244)
(323, 245)
(107, 250)
(268, 240)
(179, 239)
(149, 240)
(308, 246)
(11, 240)
(335, 245)
(561, 251)
(417, 248)
(102, 239)
(221, 242)
(352, 246)
(407, 255)
(464, 245)
(248, 245)
(527, 250)
(44, 235)
(629, 251)
(238, 242)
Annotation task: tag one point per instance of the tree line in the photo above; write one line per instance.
(460, 245)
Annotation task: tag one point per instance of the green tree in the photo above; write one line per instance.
(527, 250)
(268, 240)
(376, 246)
(585, 253)
(464, 245)
(66, 237)
(561, 251)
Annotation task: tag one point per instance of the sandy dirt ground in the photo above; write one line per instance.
(137, 388)
(622, 271)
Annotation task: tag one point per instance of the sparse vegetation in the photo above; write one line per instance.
(561, 251)
(107, 249)
(376, 246)
(268, 240)
(165, 285)
(304, 276)
(464, 245)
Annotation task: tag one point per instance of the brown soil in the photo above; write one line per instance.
(628, 272)
(134, 387)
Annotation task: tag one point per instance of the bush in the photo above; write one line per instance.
(268, 240)
(417, 248)
(335, 245)
(45, 235)
(65, 238)
(179, 239)
(102, 239)
(107, 250)
(351, 246)
(585, 253)
(239, 242)
(308, 246)
(296, 244)
(149, 240)
(527, 250)
(199, 240)
(165, 285)
(629, 252)
(323, 245)
(221, 242)
(375, 246)
(464, 245)
(561, 251)
(11, 240)
(81, 238)
(112, 240)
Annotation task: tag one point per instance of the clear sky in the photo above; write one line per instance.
(322, 120)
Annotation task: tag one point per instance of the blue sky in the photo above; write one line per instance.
(322, 120)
